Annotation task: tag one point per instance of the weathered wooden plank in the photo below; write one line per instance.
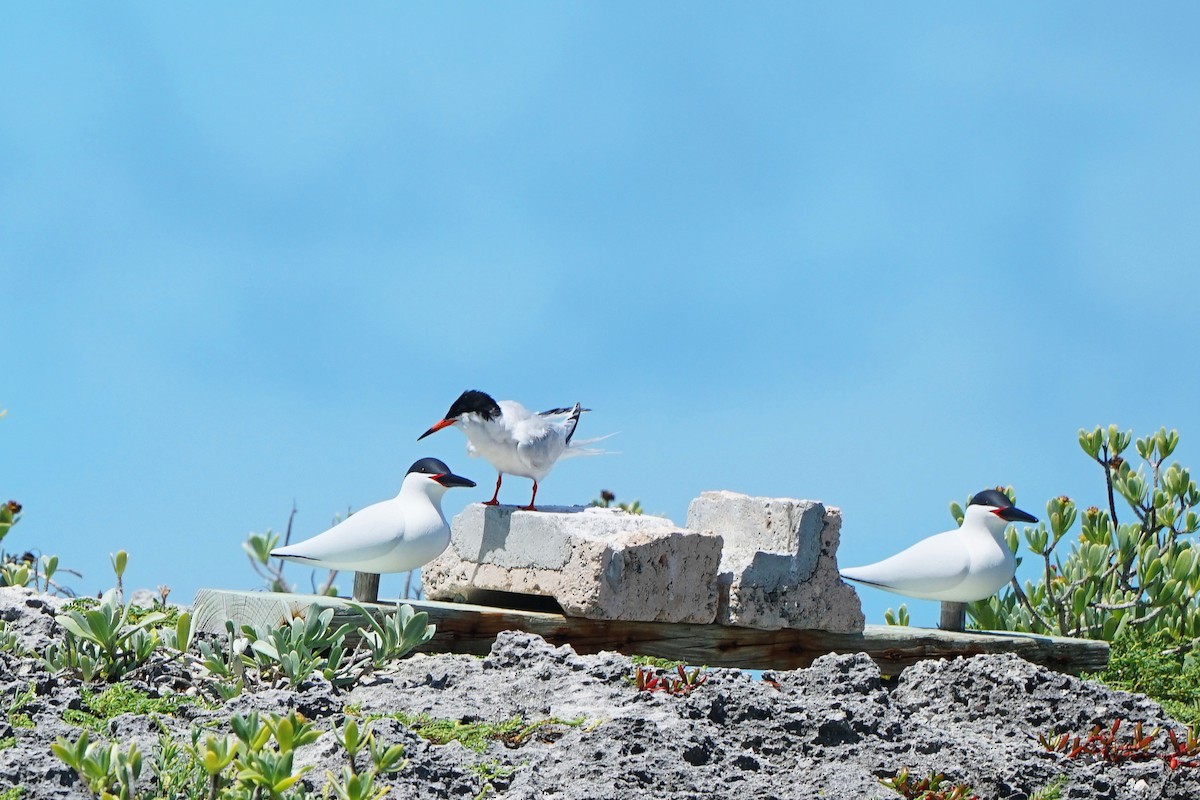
(471, 629)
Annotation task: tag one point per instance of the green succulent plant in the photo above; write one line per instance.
(256, 761)
(9, 641)
(106, 769)
(396, 634)
(1133, 566)
(103, 642)
(303, 646)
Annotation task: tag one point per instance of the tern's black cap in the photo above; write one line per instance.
(474, 401)
(435, 466)
(988, 497)
(1008, 511)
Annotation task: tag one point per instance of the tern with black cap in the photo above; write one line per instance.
(958, 566)
(393, 536)
(514, 440)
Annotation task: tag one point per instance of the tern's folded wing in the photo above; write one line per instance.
(539, 443)
(930, 566)
(363, 536)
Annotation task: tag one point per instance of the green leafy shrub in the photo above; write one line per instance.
(255, 762)
(1158, 666)
(107, 770)
(9, 641)
(396, 634)
(308, 645)
(17, 716)
(302, 647)
(102, 642)
(1132, 568)
(223, 664)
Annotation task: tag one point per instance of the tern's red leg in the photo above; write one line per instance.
(494, 501)
(530, 506)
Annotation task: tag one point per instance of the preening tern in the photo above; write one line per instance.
(513, 439)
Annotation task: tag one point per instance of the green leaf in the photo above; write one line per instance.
(1167, 441)
(183, 631)
(1145, 447)
(1118, 441)
(265, 648)
(1037, 539)
(1090, 442)
(1184, 563)
(153, 618)
(69, 622)
(389, 760)
(119, 561)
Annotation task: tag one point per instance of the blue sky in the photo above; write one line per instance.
(881, 257)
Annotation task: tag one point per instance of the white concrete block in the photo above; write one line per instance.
(779, 565)
(597, 563)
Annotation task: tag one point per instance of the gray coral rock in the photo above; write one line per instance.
(831, 730)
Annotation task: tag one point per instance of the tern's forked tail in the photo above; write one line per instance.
(579, 447)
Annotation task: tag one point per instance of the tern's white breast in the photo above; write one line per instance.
(992, 565)
(425, 536)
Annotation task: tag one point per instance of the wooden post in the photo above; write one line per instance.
(954, 617)
(366, 587)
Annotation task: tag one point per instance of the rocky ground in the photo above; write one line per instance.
(832, 730)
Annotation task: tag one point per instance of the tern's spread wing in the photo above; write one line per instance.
(929, 567)
(363, 536)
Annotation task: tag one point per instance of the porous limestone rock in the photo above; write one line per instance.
(829, 731)
(779, 563)
(597, 563)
